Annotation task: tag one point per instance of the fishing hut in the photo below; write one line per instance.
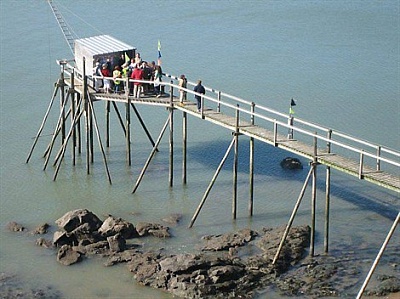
(102, 49)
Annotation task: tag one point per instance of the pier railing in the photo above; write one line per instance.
(326, 140)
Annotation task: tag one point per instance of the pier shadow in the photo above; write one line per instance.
(267, 163)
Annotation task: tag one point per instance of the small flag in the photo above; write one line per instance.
(127, 59)
(292, 103)
(159, 52)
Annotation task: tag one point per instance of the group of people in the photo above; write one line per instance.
(110, 76)
(114, 72)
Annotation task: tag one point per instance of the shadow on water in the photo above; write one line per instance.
(267, 163)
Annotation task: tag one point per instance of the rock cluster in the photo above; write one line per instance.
(230, 265)
(82, 233)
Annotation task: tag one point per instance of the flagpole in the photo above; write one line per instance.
(290, 119)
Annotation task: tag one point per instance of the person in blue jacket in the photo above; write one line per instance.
(199, 89)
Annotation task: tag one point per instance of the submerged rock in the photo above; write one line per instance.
(15, 227)
(291, 163)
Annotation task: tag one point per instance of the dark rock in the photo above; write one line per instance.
(63, 238)
(387, 284)
(173, 219)
(112, 226)
(76, 218)
(12, 287)
(157, 230)
(121, 257)
(41, 229)
(84, 235)
(15, 227)
(44, 243)
(291, 163)
(116, 243)
(98, 248)
(67, 256)
(227, 241)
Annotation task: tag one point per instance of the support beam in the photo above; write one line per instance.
(184, 147)
(203, 200)
(128, 131)
(235, 165)
(171, 147)
(143, 125)
(378, 257)
(327, 207)
(150, 156)
(296, 207)
(73, 108)
(43, 122)
(108, 108)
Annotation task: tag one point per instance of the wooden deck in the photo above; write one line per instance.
(333, 160)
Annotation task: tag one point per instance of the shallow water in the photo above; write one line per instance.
(338, 59)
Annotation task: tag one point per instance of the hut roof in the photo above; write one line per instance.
(102, 44)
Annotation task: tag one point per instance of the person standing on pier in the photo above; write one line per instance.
(157, 80)
(137, 74)
(182, 83)
(199, 89)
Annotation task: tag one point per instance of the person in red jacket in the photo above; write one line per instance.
(107, 83)
(137, 74)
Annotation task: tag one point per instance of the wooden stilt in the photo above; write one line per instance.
(64, 146)
(57, 130)
(296, 207)
(327, 195)
(184, 147)
(203, 200)
(327, 207)
(128, 131)
(143, 125)
(62, 102)
(378, 257)
(150, 156)
(108, 123)
(171, 147)
(73, 108)
(251, 166)
(43, 123)
(235, 166)
(313, 204)
(99, 141)
(171, 137)
(90, 118)
(119, 117)
(313, 199)
(78, 107)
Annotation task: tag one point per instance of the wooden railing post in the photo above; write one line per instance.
(360, 170)
(219, 102)
(378, 158)
(328, 144)
(275, 132)
(252, 109)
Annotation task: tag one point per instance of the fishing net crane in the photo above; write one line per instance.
(63, 26)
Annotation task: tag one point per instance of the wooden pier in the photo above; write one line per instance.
(367, 161)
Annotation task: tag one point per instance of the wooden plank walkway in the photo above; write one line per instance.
(335, 161)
